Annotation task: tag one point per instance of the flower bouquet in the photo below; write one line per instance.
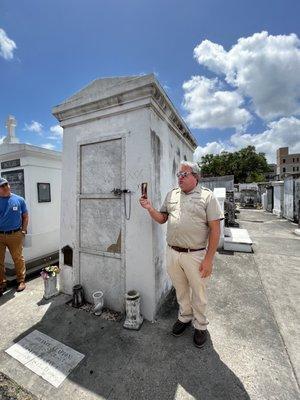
(48, 272)
(49, 275)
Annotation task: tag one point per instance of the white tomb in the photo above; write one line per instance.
(278, 198)
(220, 194)
(264, 200)
(237, 239)
(118, 133)
(35, 174)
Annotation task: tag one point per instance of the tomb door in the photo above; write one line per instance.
(270, 198)
(100, 217)
(289, 198)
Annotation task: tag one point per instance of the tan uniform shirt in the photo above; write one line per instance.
(188, 216)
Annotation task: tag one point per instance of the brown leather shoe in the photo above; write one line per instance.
(21, 287)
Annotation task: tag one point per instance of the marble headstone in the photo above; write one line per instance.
(47, 357)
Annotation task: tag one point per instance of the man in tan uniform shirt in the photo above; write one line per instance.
(193, 214)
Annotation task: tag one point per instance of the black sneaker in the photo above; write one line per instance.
(200, 337)
(179, 327)
(2, 289)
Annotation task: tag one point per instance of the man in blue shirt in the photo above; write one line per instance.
(13, 228)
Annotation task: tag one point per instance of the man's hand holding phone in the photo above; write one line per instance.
(145, 203)
(158, 216)
(144, 198)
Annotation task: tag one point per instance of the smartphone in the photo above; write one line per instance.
(144, 190)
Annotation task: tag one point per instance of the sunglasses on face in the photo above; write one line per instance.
(183, 174)
(4, 185)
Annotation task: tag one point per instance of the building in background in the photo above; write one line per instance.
(287, 163)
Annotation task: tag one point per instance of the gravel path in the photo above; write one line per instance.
(10, 390)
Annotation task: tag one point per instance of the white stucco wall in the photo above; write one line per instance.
(288, 205)
(220, 194)
(44, 217)
(264, 200)
(278, 198)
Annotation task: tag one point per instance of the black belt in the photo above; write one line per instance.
(182, 250)
(10, 232)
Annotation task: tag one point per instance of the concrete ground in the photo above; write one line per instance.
(10, 390)
(252, 352)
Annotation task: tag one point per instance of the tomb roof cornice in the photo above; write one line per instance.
(25, 150)
(115, 94)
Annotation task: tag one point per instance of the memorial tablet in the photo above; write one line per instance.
(47, 357)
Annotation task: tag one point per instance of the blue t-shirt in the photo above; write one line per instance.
(11, 210)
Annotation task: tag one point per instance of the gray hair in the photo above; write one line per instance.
(194, 167)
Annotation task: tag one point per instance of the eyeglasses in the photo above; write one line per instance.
(183, 174)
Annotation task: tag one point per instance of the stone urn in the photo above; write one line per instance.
(50, 287)
(98, 298)
(133, 319)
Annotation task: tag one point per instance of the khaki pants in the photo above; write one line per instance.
(183, 269)
(14, 243)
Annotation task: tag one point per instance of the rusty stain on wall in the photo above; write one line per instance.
(156, 154)
(115, 247)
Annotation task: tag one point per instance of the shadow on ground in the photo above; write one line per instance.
(122, 364)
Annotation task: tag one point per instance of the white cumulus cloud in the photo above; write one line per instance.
(56, 130)
(34, 126)
(7, 46)
(282, 133)
(48, 146)
(210, 107)
(262, 67)
(210, 148)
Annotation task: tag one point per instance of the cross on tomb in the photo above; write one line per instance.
(11, 124)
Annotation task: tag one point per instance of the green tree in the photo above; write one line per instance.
(246, 165)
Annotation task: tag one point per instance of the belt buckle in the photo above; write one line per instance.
(188, 250)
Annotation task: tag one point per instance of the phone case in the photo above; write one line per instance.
(144, 189)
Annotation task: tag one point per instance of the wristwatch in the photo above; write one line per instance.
(24, 232)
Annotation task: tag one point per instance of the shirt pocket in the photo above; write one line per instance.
(172, 206)
(199, 210)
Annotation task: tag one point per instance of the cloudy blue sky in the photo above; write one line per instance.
(231, 68)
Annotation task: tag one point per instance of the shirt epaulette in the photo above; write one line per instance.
(205, 188)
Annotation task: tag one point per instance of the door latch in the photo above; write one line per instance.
(118, 192)
(127, 207)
